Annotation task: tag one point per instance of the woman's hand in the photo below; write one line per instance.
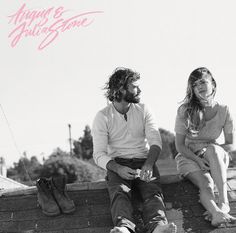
(203, 164)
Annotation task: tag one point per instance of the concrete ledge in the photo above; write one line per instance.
(167, 169)
(6, 183)
(165, 179)
(76, 187)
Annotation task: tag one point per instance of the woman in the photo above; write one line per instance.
(199, 122)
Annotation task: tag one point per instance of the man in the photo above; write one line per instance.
(121, 134)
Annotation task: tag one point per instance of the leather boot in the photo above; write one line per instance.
(58, 185)
(45, 198)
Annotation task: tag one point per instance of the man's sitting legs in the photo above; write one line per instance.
(154, 216)
(121, 207)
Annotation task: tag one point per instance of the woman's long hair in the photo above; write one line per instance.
(193, 108)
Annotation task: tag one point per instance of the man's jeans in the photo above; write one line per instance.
(120, 197)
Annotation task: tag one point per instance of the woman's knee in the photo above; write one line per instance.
(206, 185)
(215, 152)
(201, 180)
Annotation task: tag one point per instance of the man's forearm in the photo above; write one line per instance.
(113, 166)
(153, 154)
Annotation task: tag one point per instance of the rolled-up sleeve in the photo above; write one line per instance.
(151, 129)
(100, 140)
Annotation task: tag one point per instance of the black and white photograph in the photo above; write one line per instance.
(117, 116)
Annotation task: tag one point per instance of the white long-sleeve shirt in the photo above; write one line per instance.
(113, 136)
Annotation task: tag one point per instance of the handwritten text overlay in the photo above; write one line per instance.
(46, 23)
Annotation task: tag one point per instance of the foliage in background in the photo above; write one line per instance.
(83, 148)
(25, 170)
(76, 170)
(59, 162)
(168, 144)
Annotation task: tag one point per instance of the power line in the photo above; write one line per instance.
(10, 130)
(14, 141)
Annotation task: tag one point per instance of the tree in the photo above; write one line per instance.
(83, 148)
(168, 144)
(76, 170)
(25, 170)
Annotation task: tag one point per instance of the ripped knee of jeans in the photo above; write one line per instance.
(157, 195)
(125, 188)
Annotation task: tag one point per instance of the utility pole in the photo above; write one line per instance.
(3, 168)
(70, 140)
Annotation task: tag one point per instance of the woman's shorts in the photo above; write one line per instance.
(185, 165)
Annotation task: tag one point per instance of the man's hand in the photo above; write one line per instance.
(123, 171)
(147, 169)
(126, 172)
(146, 172)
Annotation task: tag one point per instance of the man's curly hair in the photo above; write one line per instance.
(120, 78)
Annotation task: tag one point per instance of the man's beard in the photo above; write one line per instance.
(131, 98)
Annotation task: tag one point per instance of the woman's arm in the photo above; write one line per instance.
(185, 151)
(182, 149)
(229, 132)
(229, 144)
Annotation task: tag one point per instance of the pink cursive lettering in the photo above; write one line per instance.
(48, 23)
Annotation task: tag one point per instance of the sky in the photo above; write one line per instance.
(48, 82)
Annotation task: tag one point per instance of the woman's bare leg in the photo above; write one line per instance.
(204, 182)
(219, 161)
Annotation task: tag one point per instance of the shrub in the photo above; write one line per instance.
(75, 169)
